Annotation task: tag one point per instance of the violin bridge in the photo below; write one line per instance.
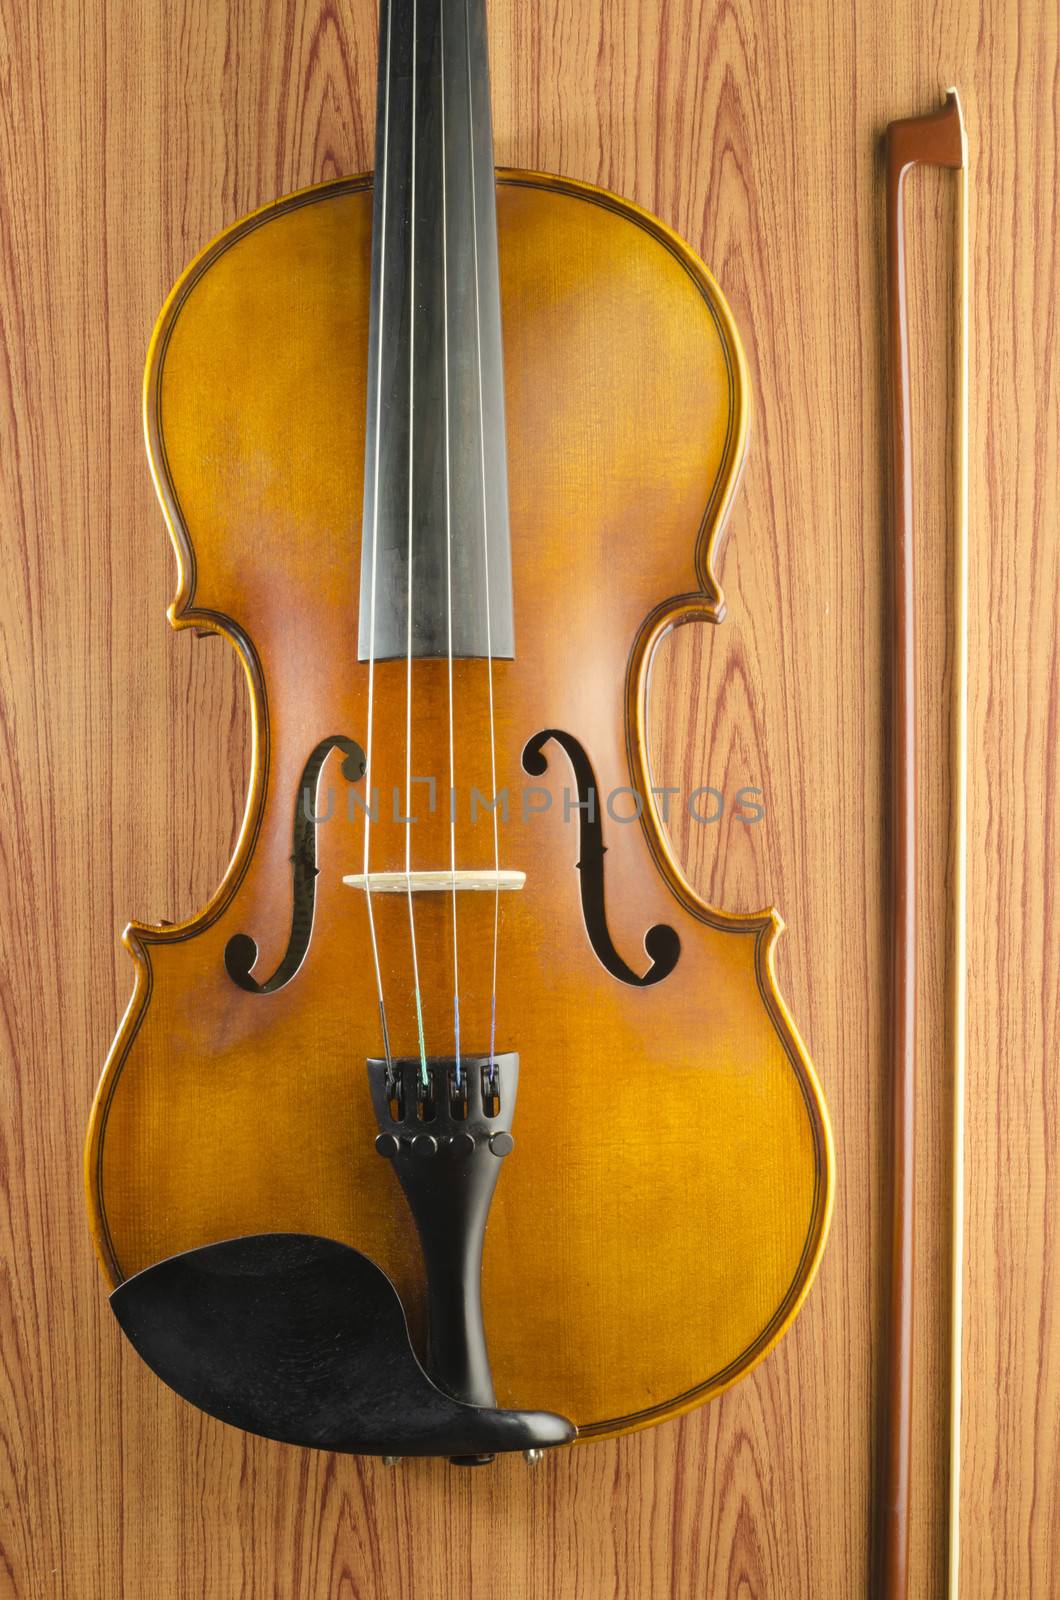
(444, 882)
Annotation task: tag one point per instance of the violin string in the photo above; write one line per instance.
(375, 546)
(408, 612)
(449, 555)
(485, 550)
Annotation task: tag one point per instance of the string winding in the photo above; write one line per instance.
(449, 561)
(369, 741)
(485, 552)
(408, 618)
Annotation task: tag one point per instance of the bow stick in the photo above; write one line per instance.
(937, 139)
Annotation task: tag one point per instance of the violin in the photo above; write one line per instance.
(456, 1122)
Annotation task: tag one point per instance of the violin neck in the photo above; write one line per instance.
(435, 531)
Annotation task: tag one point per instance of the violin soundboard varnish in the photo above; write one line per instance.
(132, 134)
(717, 1115)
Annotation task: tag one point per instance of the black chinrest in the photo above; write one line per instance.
(304, 1340)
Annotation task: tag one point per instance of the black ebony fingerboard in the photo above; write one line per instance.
(435, 483)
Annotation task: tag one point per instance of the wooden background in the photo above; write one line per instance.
(129, 134)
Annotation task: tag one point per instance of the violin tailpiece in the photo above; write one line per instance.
(451, 1130)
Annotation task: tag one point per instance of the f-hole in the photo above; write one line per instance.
(241, 951)
(661, 943)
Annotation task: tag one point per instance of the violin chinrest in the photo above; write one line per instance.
(304, 1340)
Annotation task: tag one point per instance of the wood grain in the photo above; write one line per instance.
(129, 134)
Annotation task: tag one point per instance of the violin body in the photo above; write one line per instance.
(665, 1206)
